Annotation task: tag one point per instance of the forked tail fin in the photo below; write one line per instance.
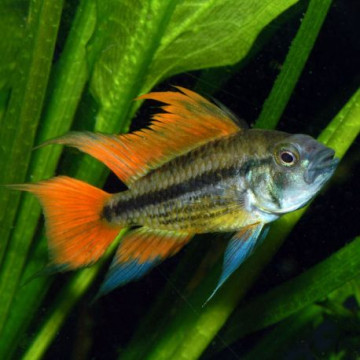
(77, 233)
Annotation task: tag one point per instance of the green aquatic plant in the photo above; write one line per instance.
(79, 66)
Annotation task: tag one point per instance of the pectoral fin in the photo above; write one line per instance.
(238, 250)
(140, 251)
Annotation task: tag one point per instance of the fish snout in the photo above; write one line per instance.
(323, 162)
(325, 156)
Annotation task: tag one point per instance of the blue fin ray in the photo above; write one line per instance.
(123, 273)
(238, 250)
(140, 251)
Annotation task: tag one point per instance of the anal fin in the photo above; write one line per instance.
(139, 252)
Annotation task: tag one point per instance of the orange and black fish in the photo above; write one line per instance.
(196, 169)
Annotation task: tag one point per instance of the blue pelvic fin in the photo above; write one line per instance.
(238, 250)
(140, 251)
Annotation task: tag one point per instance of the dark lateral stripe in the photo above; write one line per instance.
(174, 191)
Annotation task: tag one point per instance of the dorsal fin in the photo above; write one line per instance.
(189, 121)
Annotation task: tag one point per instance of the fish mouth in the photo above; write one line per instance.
(322, 167)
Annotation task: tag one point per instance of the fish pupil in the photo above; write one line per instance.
(287, 157)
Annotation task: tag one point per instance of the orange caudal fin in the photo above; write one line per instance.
(76, 232)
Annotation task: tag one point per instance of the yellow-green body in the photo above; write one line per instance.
(205, 190)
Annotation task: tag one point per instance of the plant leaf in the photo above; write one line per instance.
(211, 33)
(294, 63)
(296, 294)
(172, 37)
(68, 82)
(20, 123)
(12, 23)
(275, 341)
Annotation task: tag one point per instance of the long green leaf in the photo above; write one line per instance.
(295, 61)
(12, 25)
(27, 301)
(20, 123)
(69, 79)
(23, 112)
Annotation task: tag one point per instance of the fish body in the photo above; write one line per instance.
(195, 170)
(205, 190)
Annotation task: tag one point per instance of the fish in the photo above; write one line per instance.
(196, 169)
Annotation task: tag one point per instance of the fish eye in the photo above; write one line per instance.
(286, 157)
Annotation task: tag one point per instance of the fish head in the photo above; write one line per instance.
(299, 166)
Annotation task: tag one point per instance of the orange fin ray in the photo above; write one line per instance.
(139, 252)
(76, 232)
(189, 121)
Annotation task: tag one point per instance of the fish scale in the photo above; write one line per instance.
(209, 192)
